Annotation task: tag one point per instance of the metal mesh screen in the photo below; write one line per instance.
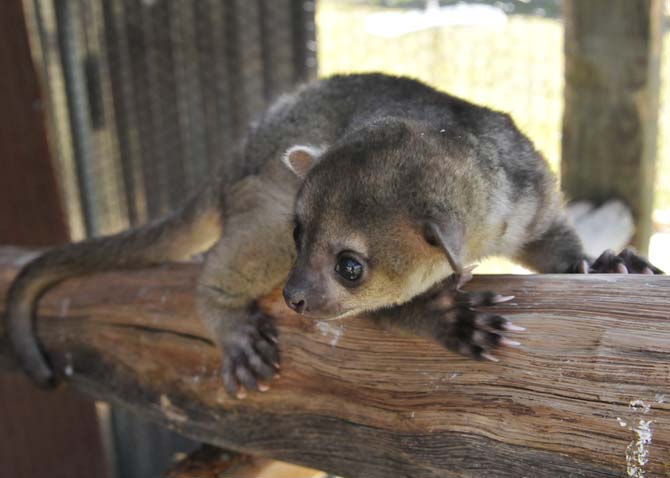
(146, 95)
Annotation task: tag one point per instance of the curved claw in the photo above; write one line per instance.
(251, 357)
(626, 262)
(514, 328)
(467, 331)
(246, 377)
(228, 377)
(490, 357)
(505, 342)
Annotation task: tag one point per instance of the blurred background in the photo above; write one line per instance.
(138, 99)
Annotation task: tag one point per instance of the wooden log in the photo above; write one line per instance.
(610, 119)
(589, 386)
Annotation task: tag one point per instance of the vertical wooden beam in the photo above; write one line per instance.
(43, 434)
(610, 122)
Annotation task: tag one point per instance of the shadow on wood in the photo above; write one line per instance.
(353, 400)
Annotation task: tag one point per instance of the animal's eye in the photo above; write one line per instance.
(349, 268)
(296, 233)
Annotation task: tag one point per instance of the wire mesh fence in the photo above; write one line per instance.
(147, 95)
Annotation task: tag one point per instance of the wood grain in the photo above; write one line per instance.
(357, 401)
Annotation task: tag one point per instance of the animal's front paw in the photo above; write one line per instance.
(463, 329)
(627, 262)
(250, 356)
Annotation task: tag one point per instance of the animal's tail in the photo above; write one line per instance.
(191, 229)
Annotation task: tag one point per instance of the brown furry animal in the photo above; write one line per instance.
(369, 192)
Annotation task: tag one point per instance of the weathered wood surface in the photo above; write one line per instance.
(357, 401)
(610, 119)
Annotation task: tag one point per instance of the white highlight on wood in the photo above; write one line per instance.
(334, 331)
(64, 308)
(69, 367)
(637, 452)
(170, 411)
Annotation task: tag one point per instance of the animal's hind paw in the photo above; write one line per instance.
(626, 262)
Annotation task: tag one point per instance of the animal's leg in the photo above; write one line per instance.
(449, 315)
(253, 256)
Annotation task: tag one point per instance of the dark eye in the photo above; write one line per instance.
(349, 268)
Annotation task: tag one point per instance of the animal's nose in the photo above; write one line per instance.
(298, 306)
(295, 299)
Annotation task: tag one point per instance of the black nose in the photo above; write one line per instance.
(295, 299)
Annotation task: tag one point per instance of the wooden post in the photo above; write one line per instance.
(610, 122)
(589, 387)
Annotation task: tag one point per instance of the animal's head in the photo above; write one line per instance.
(368, 230)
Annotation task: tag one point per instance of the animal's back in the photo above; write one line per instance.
(320, 113)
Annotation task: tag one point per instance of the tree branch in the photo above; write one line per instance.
(357, 401)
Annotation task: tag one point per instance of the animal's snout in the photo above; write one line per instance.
(295, 298)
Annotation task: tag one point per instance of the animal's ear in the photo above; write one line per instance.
(301, 158)
(449, 238)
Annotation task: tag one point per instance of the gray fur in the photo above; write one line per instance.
(394, 150)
